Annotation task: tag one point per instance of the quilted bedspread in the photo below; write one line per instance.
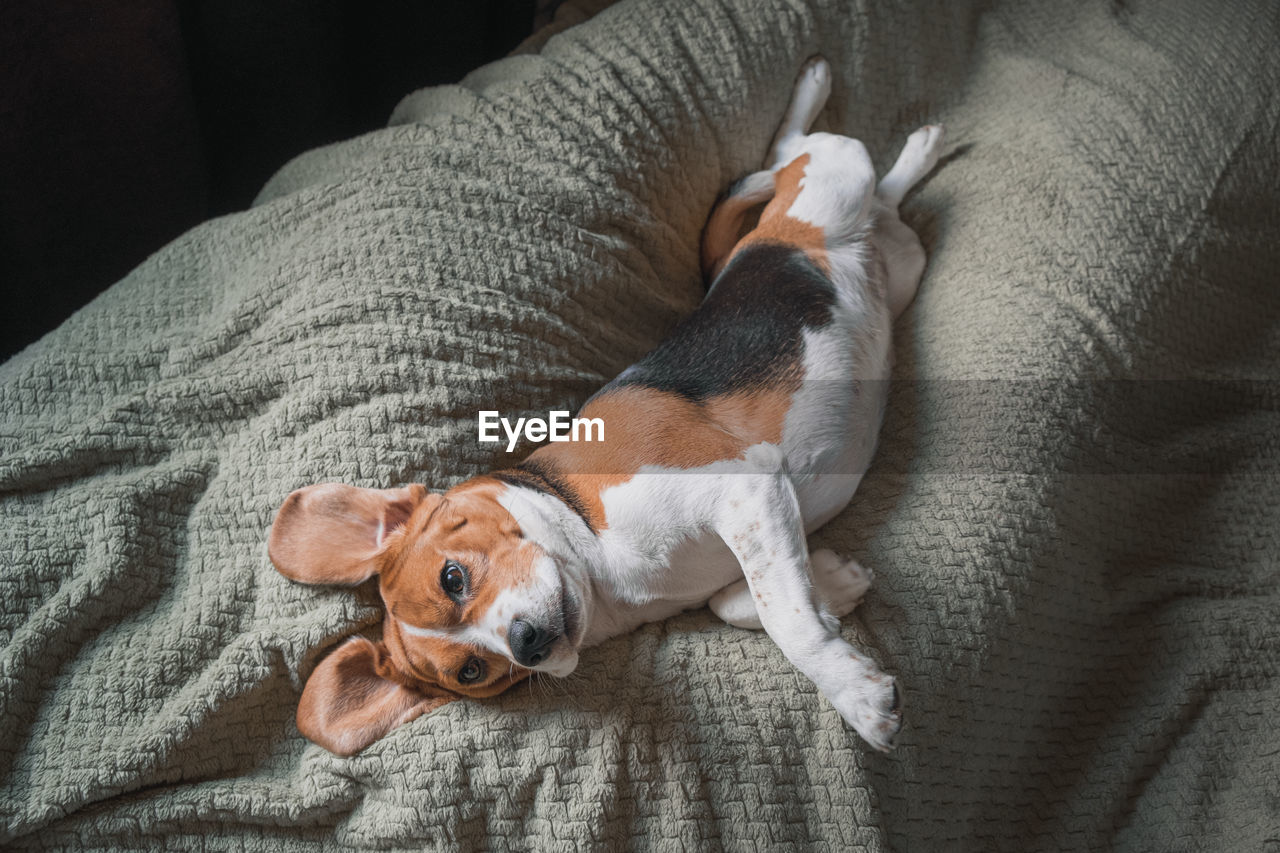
(1073, 517)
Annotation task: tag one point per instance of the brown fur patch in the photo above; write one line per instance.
(645, 426)
(775, 226)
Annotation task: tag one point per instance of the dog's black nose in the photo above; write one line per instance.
(529, 644)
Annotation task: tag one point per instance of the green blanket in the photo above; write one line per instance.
(1073, 516)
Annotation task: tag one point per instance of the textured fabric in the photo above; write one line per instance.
(1073, 517)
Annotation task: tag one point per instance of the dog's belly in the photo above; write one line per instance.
(834, 422)
(825, 483)
(696, 569)
(701, 567)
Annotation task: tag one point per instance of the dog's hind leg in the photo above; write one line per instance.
(734, 605)
(917, 159)
(724, 226)
(812, 89)
(898, 246)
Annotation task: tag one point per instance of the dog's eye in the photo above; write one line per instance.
(472, 672)
(454, 579)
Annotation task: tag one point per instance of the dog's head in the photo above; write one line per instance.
(472, 605)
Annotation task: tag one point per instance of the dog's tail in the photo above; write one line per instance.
(724, 226)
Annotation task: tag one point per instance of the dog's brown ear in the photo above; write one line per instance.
(348, 703)
(332, 533)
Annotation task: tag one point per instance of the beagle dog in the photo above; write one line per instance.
(750, 427)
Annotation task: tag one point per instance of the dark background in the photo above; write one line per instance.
(125, 122)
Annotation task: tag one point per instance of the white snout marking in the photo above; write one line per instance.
(490, 631)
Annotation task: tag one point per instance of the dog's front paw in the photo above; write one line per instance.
(840, 583)
(873, 706)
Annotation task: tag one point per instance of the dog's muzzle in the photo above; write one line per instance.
(530, 645)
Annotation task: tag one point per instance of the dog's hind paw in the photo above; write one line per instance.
(840, 583)
(923, 148)
(814, 79)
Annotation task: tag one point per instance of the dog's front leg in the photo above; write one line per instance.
(759, 518)
(838, 583)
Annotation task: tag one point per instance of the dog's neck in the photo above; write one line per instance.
(600, 576)
(551, 522)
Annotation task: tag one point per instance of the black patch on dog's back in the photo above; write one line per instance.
(746, 333)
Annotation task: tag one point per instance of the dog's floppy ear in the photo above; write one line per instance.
(333, 533)
(349, 702)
